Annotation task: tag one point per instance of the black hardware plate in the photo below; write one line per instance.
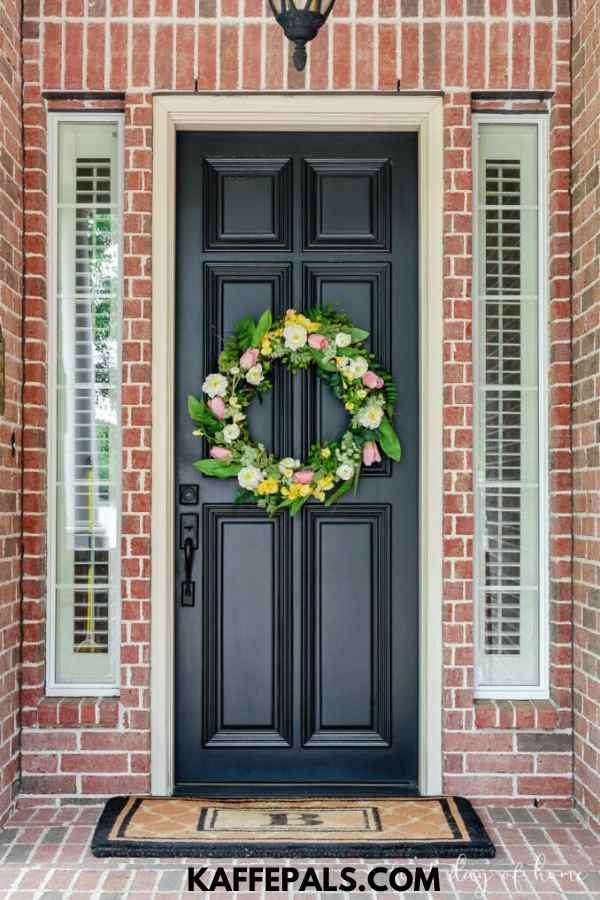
(189, 494)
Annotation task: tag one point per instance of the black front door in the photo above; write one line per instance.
(297, 665)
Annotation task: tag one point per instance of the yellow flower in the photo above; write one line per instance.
(294, 491)
(350, 406)
(265, 348)
(268, 486)
(325, 452)
(325, 483)
(319, 495)
(305, 490)
(294, 318)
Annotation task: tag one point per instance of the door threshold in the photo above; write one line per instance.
(289, 789)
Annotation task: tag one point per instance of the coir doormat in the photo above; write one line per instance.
(315, 827)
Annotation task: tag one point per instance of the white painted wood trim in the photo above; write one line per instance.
(52, 687)
(541, 691)
(298, 112)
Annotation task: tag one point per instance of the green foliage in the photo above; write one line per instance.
(237, 343)
(334, 381)
(244, 496)
(389, 440)
(344, 487)
(217, 468)
(351, 392)
(358, 334)
(201, 414)
(244, 332)
(264, 323)
(297, 505)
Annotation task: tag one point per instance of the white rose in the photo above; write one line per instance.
(343, 339)
(289, 463)
(215, 385)
(295, 336)
(250, 477)
(344, 472)
(255, 375)
(230, 433)
(370, 416)
(238, 417)
(359, 366)
(235, 370)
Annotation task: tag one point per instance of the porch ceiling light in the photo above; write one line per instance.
(301, 23)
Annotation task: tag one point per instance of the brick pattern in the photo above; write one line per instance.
(540, 853)
(586, 397)
(11, 262)
(457, 45)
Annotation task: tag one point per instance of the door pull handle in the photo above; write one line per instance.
(188, 586)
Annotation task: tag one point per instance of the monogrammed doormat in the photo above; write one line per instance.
(307, 827)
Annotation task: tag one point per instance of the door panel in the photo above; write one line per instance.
(347, 626)
(297, 665)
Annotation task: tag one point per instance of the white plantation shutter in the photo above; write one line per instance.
(510, 575)
(85, 414)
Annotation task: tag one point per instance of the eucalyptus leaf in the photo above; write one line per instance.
(264, 323)
(217, 468)
(389, 440)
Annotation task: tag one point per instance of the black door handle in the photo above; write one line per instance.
(188, 587)
(188, 556)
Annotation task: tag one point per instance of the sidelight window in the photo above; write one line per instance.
(509, 293)
(84, 402)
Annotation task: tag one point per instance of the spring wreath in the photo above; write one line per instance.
(324, 338)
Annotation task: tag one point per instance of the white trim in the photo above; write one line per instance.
(298, 112)
(541, 691)
(54, 689)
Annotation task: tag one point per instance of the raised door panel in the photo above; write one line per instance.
(231, 292)
(247, 204)
(347, 626)
(247, 628)
(347, 204)
(362, 290)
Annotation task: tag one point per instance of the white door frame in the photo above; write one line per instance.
(298, 112)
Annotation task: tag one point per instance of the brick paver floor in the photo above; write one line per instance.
(541, 853)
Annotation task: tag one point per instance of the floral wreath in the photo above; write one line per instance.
(327, 339)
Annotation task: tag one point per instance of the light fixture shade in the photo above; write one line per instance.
(301, 24)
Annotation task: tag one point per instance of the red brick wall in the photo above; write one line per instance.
(11, 264)
(510, 750)
(586, 425)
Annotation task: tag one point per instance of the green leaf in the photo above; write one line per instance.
(264, 323)
(358, 334)
(344, 487)
(217, 468)
(200, 413)
(297, 505)
(244, 332)
(389, 440)
(325, 364)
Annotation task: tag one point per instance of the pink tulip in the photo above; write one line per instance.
(370, 453)
(318, 342)
(220, 453)
(371, 380)
(248, 359)
(217, 407)
(304, 476)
